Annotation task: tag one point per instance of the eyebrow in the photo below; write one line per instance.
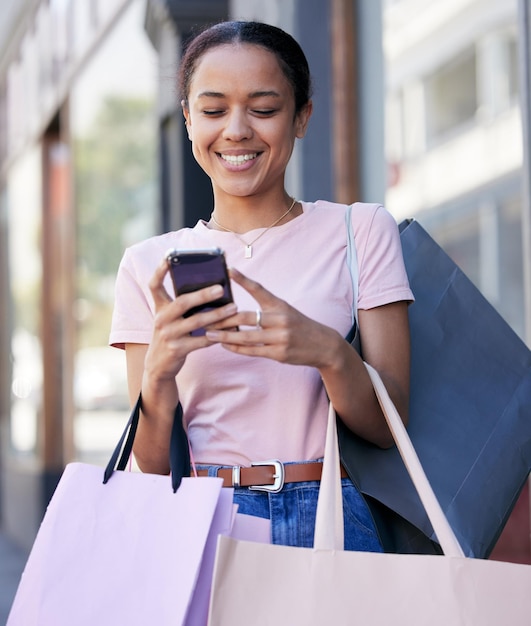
(252, 95)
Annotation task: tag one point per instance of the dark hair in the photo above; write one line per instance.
(288, 52)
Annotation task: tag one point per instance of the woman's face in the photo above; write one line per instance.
(241, 119)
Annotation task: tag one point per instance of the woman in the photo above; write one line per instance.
(262, 392)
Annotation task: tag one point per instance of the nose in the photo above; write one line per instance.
(237, 127)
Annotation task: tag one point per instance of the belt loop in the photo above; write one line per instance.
(236, 476)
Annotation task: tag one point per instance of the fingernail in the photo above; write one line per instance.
(216, 290)
(212, 334)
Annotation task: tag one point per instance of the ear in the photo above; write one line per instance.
(302, 119)
(187, 118)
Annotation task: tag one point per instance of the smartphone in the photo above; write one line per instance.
(191, 270)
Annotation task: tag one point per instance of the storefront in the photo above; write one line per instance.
(78, 182)
(93, 157)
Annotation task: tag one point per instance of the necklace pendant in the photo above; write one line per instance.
(248, 251)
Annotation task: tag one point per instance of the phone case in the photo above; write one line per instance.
(192, 270)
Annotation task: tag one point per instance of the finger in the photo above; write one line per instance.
(264, 297)
(219, 317)
(249, 343)
(178, 333)
(234, 338)
(200, 297)
(248, 320)
(245, 336)
(156, 285)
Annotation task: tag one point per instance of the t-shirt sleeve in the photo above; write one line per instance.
(382, 273)
(132, 319)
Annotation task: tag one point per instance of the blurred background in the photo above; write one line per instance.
(417, 105)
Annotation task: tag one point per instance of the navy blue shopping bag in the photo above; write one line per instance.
(470, 413)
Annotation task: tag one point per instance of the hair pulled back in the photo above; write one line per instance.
(288, 52)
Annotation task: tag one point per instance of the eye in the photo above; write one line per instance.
(213, 112)
(264, 112)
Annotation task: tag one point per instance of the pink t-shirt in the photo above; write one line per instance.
(240, 409)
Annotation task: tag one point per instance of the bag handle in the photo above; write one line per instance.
(179, 447)
(330, 504)
(441, 526)
(329, 525)
(329, 529)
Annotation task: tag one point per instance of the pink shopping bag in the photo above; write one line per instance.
(118, 547)
(128, 552)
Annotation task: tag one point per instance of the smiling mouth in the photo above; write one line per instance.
(239, 159)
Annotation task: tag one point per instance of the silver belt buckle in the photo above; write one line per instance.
(278, 476)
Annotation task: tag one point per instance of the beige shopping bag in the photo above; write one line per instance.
(278, 585)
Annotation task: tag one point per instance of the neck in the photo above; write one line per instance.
(241, 217)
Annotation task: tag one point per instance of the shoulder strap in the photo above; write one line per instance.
(352, 262)
(353, 336)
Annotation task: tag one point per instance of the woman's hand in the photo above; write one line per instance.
(288, 336)
(172, 340)
(153, 368)
(283, 334)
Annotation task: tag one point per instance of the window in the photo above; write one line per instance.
(114, 141)
(511, 297)
(512, 70)
(24, 193)
(451, 96)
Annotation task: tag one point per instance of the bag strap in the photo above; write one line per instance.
(329, 527)
(125, 444)
(353, 336)
(179, 447)
(441, 526)
(329, 519)
(352, 263)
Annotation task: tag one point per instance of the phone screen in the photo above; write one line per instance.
(196, 269)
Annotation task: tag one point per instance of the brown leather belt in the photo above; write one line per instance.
(269, 475)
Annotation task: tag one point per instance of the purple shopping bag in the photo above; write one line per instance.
(128, 552)
(121, 547)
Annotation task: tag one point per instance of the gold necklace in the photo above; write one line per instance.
(249, 245)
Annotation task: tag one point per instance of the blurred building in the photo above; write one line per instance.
(416, 103)
(454, 136)
(454, 153)
(92, 158)
(78, 181)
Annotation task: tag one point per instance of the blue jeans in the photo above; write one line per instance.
(292, 513)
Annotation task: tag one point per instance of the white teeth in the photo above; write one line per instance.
(238, 160)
